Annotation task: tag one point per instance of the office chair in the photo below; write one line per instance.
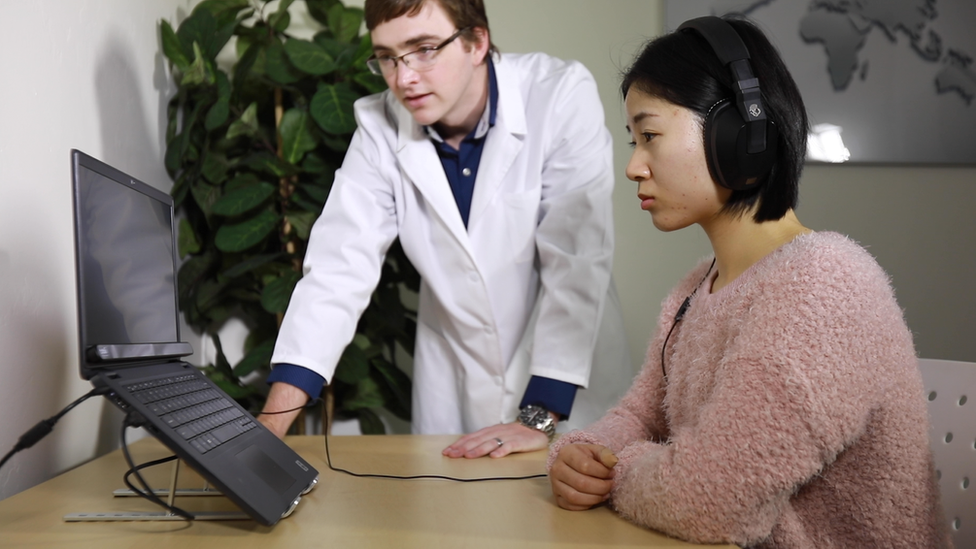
(950, 388)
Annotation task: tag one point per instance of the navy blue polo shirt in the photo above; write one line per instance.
(461, 168)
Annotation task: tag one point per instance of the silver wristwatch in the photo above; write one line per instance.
(537, 417)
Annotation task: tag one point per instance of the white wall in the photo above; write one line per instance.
(83, 74)
(88, 74)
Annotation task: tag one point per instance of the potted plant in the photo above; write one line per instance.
(252, 152)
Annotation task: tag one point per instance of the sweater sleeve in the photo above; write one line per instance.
(640, 414)
(793, 383)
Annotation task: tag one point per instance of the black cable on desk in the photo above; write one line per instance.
(328, 460)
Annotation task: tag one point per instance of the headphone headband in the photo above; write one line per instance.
(738, 160)
(733, 53)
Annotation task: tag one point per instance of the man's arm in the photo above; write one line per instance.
(342, 265)
(282, 397)
(285, 380)
(574, 237)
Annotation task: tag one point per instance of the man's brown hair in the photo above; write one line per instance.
(465, 14)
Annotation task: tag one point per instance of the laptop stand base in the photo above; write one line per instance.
(157, 516)
(163, 492)
(170, 494)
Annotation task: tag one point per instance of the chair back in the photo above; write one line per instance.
(950, 388)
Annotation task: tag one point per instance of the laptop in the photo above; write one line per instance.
(129, 342)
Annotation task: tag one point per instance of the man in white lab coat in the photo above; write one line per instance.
(495, 171)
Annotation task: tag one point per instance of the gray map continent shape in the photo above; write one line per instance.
(842, 27)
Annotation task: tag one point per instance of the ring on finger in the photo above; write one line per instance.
(499, 441)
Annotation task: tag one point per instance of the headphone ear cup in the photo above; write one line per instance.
(726, 141)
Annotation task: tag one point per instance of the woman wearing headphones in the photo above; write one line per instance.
(780, 403)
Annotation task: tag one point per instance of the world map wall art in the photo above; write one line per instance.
(884, 81)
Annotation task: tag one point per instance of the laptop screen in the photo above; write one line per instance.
(126, 267)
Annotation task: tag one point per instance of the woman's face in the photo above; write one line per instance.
(668, 164)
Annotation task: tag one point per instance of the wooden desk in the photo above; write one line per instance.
(342, 511)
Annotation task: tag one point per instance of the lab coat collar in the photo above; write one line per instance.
(504, 141)
(419, 160)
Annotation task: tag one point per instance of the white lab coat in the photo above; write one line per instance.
(520, 292)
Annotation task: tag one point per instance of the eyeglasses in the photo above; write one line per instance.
(418, 60)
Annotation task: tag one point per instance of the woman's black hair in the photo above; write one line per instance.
(683, 69)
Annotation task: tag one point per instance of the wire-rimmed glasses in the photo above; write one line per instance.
(422, 59)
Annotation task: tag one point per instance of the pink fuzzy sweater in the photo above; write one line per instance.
(792, 414)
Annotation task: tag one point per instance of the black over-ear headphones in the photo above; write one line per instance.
(740, 142)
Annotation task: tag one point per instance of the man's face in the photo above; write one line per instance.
(444, 93)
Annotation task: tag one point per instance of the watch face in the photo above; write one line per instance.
(534, 415)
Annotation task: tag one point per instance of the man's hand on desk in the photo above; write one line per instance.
(283, 396)
(513, 438)
(582, 476)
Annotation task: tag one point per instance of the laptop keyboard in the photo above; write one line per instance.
(204, 417)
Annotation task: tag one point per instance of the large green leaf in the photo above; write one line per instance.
(172, 115)
(373, 83)
(199, 28)
(366, 395)
(217, 114)
(278, 67)
(395, 385)
(246, 64)
(327, 42)
(247, 124)
(265, 162)
(243, 200)
(204, 194)
(173, 48)
(332, 108)
(238, 237)
(314, 163)
(183, 140)
(370, 423)
(202, 28)
(223, 9)
(319, 9)
(297, 137)
(364, 50)
(241, 180)
(338, 143)
(187, 242)
(280, 19)
(214, 167)
(309, 57)
(174, 154)
(255, 359)
(303, 206)
(317, 193)
(200, 70)
(208, 295)
(191, 273)
(232, 388)
(276, 294)
(345, 22)
(302, 222)
(249, 264)
(353, 364)
(181, 188)
(220, 111)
